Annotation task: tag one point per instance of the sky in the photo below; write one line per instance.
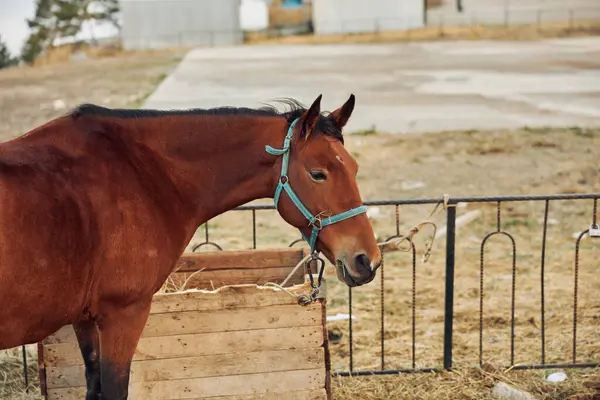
(14, 29)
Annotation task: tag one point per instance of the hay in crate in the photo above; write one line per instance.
(237, 342)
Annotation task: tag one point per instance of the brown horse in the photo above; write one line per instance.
(98, 205)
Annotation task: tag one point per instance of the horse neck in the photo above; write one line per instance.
(220, 162)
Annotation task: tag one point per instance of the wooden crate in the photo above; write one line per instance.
(240, 342)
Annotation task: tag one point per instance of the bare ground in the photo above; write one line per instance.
(402, 166)
(32, 96)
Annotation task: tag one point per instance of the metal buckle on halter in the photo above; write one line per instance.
(316, 222)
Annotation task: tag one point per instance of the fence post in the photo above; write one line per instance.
(449, 298)
(25, 370)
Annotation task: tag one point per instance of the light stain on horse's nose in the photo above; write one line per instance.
(339, 159)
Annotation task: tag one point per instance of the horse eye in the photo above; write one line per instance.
(318, 175)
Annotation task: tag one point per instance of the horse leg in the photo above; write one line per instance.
(120, 330)
(87, 336)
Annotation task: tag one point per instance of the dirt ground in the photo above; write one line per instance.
(32, 96)
(525, 161)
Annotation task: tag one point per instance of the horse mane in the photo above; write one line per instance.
(292, 109)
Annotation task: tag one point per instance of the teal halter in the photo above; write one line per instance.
(314, 220)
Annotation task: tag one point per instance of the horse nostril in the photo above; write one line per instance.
(376, 266)
(363, 263)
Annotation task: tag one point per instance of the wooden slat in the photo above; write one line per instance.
(245, 259)
(203, 344)
(314, 394)
(233, 385)
(226, 298)
(209, 280)
(199, 367)
(241, 319)
(235, 297)
(278, 382)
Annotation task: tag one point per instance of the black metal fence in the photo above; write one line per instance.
(589, 203)
(592, 230)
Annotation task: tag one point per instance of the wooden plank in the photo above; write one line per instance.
(210, 280)
(234, 297)
(240, 319)
(314, 394)
(203, 344)
(244, 259)
(225, 298)
(232, 320)
(199, 367)
(234, 385)
(72, 393)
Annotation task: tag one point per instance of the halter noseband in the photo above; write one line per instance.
(314, 220)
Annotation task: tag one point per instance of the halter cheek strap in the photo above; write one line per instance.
(315, 221)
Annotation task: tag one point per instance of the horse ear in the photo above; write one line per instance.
(310, 117)
(342, 114)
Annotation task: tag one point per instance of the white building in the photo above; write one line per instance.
(155, 24)
(356, 16)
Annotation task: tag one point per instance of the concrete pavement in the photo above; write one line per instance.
(404, 87)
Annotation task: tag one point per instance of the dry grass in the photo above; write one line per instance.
(12, 384)
(434, 3)
(521, 32)
(464, 384)
(65, 54)
(30, 96)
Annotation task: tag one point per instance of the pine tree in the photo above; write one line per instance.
(97, 11)
(6, 60)
(108, 12)
(59, 19)
(42, 28)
